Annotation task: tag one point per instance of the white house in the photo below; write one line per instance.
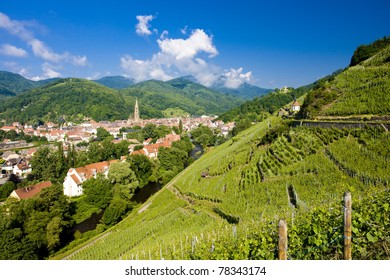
(296, 106)
(76, 176)
(22, 168)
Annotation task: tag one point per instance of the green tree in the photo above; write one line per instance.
(142, 167)
(180, 127)
(53, 233)
(102, 134)
(172, 159)
(6, 189)
(43, 164)
(149, 131)
(95, 152)
(11, 135)
(124, 179)
(115, 211)
(184, 144)
(241, 125)
(98, 191)
(122, 149)
(162, 131)
(35, 229)
(108, 149)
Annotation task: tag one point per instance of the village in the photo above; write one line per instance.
(16, 155)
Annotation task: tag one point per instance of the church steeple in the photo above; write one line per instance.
(134, 118)
(136, 112)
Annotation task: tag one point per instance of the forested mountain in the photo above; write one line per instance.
(191, 97)
(246, 91)
(116, 82)
(72, 99)
(12, 84)
(75, 99)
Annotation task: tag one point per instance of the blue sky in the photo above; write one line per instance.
(267, 43)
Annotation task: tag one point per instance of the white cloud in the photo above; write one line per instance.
(198, 42)
(176, 56)
(234, 77)
(10, 50)
(48, 73)
(14, 27)
(142, 27)
(141, 70)
(184, 57)
(79, 60)
(39, 48)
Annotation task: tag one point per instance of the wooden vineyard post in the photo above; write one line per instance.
(347, 226)
(282, 247)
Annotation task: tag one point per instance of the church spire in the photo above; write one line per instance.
(136, 111)
(134, 118)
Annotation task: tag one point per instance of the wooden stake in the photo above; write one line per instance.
(282, 240)
(347, 226)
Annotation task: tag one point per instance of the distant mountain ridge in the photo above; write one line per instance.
(12, 84)
(246, 91)
(182, 93)
(115, 82)
(74, 99)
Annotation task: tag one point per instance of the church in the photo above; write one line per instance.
(135, 119)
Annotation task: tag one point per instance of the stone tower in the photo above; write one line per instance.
(134, 118)
(136, 112)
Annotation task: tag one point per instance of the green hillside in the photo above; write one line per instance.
(116, 82)
(360, 90)
(75, 99)
(191, 97)
(267, 104)
(364, 52)
(69, 98)
(12, 84)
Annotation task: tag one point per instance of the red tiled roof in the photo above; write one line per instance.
(30, 191)
(75, 179)
(139, 152)
(296, 103)
(90, 169)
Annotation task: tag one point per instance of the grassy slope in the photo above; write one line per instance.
(363, 89)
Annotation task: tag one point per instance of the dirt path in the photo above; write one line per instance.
(146, 206)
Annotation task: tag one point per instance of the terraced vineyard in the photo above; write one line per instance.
(226, 205)
(363, 89)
